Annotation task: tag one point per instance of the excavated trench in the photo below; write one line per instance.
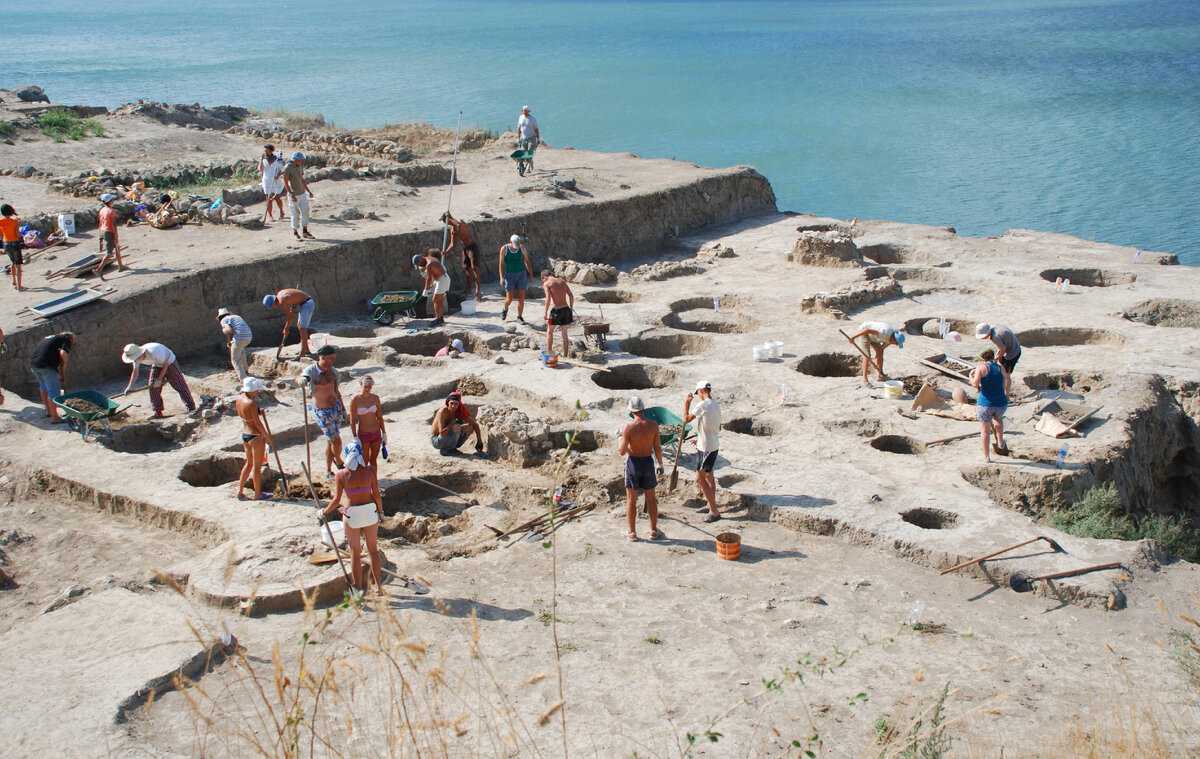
(745, 425)
(1074, 381)
(426, 344)
(1090, 277)
(424, 499)
(351, 330)
(887, 253)
(1166, 312)
(929, 326)
(1062, 337)
(900, 444)
(583, 441)
(610, 296)
(635, 377)
(667, 346)
(930, 519)
(708, 320)
(150, 437)
(830, 365)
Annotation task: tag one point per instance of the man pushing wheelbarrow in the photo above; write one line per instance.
(528, 137)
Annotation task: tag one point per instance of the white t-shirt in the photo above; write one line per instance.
(156, 354)
(708, 425)
(526, 127)
(884, 329)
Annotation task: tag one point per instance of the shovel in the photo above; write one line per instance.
(1023, 583)
(675, 467)
(870, 361)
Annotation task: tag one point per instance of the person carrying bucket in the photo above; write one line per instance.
(359, 483)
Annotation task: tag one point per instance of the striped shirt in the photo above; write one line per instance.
(241, 330)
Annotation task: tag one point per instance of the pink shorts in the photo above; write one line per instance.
(370, 438)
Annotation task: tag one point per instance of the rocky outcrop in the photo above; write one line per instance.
(661, 270)
(513, 436)
(851, 297)
(583, 273)
(31, 93)
(833, 248)
(334, 142)
(193, 115)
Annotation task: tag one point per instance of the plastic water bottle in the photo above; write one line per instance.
(915, 613)
(1062, 456)
(716, 303)
(383, 452)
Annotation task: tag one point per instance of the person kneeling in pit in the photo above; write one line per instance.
(359, 482)
(452, 423)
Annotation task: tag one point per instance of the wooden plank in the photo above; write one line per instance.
(71, 300)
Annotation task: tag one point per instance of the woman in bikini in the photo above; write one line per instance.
(254, 437)
(357, 481)
(366, 420)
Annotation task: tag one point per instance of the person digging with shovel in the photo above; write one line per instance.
(707, 414)
(876, 336)
(254, 438)
(297, 306)
(436, 283)
(163, 368)
(358, 482)
(641, 445)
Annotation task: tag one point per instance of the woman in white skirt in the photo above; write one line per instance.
(270, 169)
(359, 482)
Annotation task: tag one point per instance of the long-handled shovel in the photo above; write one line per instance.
(275, 450)
(307, 446)
(447, 491)
(312, 490)
(675, 467)
(980, 559)
(1023, 583)
(870, 361)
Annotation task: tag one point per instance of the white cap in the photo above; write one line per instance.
(131, 352)
(636, 404)
(457, 345)
(221, 312)
(524, 108)
(515, 239)
(703, 385)
(983, 331)
(253, 385)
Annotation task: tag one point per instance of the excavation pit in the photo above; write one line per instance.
(583, 441)
(726, 302)
(610, 296)
(667, 346)
(746, 425)
(426, 499)
(1166, 312)
(353, 331)
(930, 519)
(930, 326)
(634, 377)
(708, 320)
(898, 444)
(886, 253)
(1078, 382)
(426, 344)
(214, 471)
(830, 365)
(148, 437)
(1062, 337)
(729, 480)
(1090, 277)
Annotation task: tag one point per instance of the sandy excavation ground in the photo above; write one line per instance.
(832, 630)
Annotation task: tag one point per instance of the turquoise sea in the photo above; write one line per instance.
(1067, 115)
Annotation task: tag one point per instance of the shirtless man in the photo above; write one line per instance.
(876, 336)
(327, 406)
(110, 242)
(437, 283)
(558, 311)
(254, 437)
(297, 306)
(366, 420)
(641, 447)
(460, 231)
(451, 425)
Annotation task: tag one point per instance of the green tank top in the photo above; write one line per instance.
(513, 260)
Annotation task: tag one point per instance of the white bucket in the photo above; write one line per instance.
(759, 353)
(893, 389)
(339, 533)
(66, 222)
(468, 308)
(776, 349)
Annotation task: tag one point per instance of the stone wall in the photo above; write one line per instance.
(342, 278)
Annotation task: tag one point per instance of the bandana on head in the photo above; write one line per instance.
(352, 455)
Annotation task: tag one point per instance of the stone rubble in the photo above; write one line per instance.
(826, 249)
(583, 273)
(512, 435)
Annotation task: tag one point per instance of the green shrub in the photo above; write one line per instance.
(1098, 514)
(61, 125)
(7, 129)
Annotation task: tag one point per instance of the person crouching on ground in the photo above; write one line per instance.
(163, 368)
(707, 414)
(237, 337)
(254, 438)
(876, 336)
(327, 407)
(452, 423)
(358, 481)
(436, 284)
(559, 310)
(453, 350)
(992, 381)
(515, 270)
(49, 367)
(14, 244)
(366, 420)
(641, 446)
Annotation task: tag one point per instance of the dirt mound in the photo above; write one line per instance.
(1166, 312)
(1067, 336)
(826, 249)
(1090, 277)
(196, 115)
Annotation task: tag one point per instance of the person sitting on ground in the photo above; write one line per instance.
(460, 231)
(708, 415)
(876, 336)
(237, 338)
(49, 364)
(321, 382)
(1008, 347)
(163, 368)
(14, 244)
(641, 445)
(515, 271)
(452, 423)
(270, 171)
(298, 194)
(109, 240)
(559, 310)
(437, 282)
(992, 381)
(136, 190)
(297, 306)
(453, 350)
(255, 438)
(166, 217)
(358, 481)
(366, 420)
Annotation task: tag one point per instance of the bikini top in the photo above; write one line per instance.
(367, 409)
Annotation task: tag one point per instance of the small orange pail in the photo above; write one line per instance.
(729, 546)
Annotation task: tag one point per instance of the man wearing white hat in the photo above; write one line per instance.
(1008, 347)
(298, 194)
(254, 437)
(163, 367)
(110, 243)
(707, 415)
(641, 445)
(237, 337)
(527, 130)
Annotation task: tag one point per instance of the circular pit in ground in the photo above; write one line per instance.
(667, 346)
(610, 296)
(930, 519)
(830, 365)
(1090, 277)
(899, 444)
(1061, 337)
(634, 377)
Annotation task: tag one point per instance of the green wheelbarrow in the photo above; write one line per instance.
(386, 305)
(88, 409)
(669, 421)
(524, 159)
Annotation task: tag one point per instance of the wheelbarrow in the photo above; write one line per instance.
(524, 159)
(668, 422)
(386, 305)
(88, 409)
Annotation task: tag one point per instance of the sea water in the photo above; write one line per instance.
(1064, 115)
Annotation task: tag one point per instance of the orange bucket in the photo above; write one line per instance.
(729, 546)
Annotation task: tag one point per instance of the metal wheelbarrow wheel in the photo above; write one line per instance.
(383, 317)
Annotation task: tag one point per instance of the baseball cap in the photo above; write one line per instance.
(297, 156)
(703, 385)
(268, 300)
(222, 312)
(107, 197)
(899, 339)
(983, 330)
(515, 239)
(457, 345)
(636, 404)
(253, 385)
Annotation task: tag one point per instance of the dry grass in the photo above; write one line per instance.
(425, 138)
(297, 119)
